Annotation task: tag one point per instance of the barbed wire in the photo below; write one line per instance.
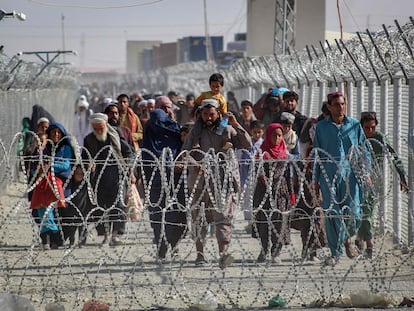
(18, 74)
(129, 276)
(370, 56)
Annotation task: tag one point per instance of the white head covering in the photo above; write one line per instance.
(210, 102)
(42, 119)
(107, 100)
(83, 102)
(98, 118)
(143, 103)
(287, 117)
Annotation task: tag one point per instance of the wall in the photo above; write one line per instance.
(310, 25)
(260, 27)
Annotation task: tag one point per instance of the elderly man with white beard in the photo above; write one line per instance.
(108, 157)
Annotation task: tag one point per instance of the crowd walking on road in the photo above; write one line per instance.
(195, 161)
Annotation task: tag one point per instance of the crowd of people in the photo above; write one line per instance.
(314, 174)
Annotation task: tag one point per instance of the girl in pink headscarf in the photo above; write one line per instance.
(274, 146)
(272, 196)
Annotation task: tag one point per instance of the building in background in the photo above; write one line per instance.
(239, 43)
(150, 55)
(235, 49)
(135, 55)
(193, 48)
(148, 59)
(164, 55)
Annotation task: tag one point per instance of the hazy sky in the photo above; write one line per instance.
(98, 29)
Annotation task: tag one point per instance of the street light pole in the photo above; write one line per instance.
(209, 53)
(63, 36)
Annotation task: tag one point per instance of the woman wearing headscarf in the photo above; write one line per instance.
(39, 112)
(58, 155)
(307, 215)
(161, 145)
(273, 194)
(61, 150)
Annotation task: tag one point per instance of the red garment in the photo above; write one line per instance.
(132, 117)
(270, 151)
(132, 120)
(44, 192)
(126, 132)
(276, 152)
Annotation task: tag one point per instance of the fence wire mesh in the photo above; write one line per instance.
(22, 87)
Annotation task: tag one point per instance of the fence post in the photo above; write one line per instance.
(322, 96)
(301, 90)
(411, 162)
(396, 202)
(360, 99)
(372, 92)
(383, 209)
(250, 95)
(309, 99)
(350, 98)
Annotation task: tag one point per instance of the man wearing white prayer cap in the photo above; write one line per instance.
(232, 136)
(110, 154)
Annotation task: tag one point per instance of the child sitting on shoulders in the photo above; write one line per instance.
(216, 82)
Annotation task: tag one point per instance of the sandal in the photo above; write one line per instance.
(350, 250)
(331, 261)
(358, 243)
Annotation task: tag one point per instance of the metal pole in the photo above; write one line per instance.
(360, 98)
(396, 201)
(350, 98)
(411, 163)
(207, 37)
(284, 35)
(383, 210)
(311, 92)
(322, 96)
(63, 38)
(372, 94)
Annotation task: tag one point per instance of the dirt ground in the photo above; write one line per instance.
(129, 278)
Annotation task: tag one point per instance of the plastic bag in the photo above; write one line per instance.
(135, 206)
(45, 192)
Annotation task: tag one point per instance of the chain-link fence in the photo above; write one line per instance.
(24, 84)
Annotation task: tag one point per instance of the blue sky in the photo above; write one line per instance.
(98, 30)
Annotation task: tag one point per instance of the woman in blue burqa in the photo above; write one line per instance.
(164, 192)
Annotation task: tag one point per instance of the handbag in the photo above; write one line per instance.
(44, 193)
